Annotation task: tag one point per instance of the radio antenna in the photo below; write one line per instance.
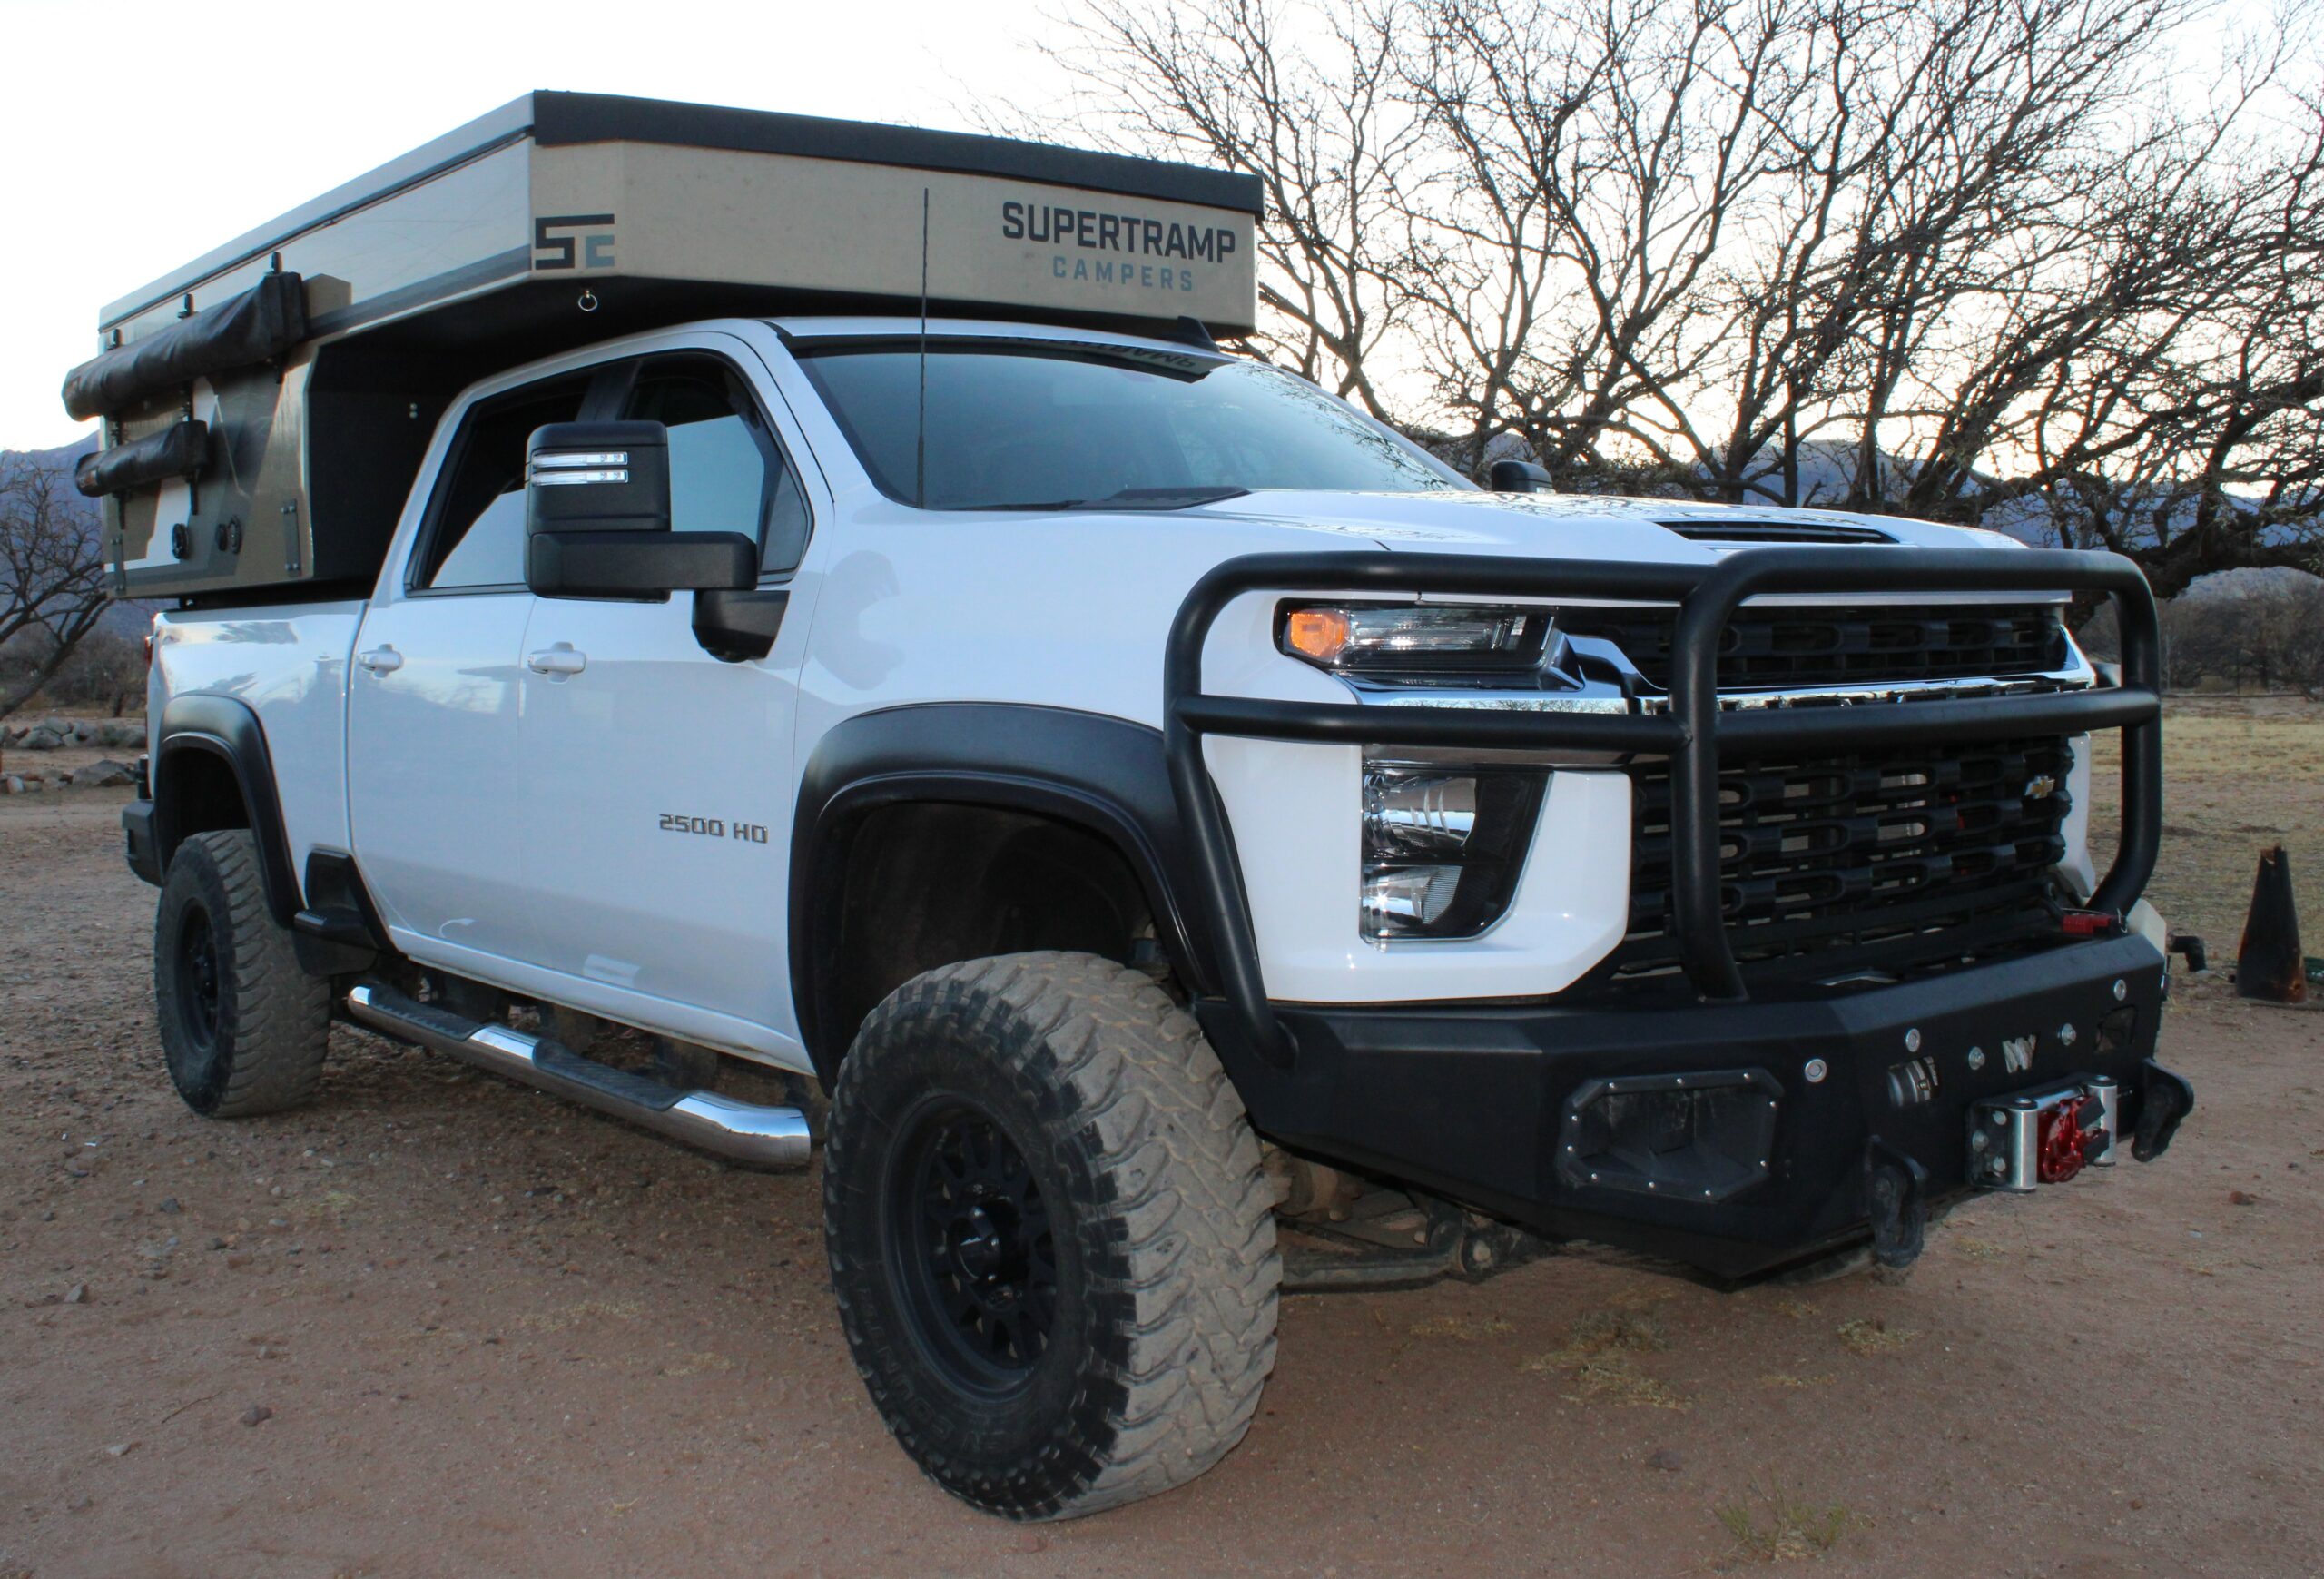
(919, 458)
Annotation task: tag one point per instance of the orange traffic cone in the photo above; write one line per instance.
(2269, 964)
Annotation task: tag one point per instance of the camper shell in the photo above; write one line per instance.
(266, 406)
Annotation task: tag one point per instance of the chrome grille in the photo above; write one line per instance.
(1827, 645)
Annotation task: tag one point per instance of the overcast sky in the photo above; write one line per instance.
(138, 136)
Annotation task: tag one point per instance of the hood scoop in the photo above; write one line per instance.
(1774, 532)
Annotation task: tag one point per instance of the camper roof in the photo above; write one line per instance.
(552, 119)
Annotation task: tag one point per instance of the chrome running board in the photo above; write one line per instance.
(742, 1132)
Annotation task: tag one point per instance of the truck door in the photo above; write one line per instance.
(657, 779)
(436, 701)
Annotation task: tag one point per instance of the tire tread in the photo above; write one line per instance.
(275, 1017)
(1166, 1125)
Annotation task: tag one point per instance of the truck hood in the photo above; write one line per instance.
(1568, 526)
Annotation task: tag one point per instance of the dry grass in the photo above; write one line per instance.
(330, 1207)
(1466, 1328)
(572, 1316)
(1597, 1357)
(2240, 774)
(1775, 1526)
(1869, 1335)
(1615, 1379)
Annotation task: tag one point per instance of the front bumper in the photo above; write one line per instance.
(1477, 1103)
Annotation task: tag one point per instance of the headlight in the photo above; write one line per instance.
(1415, 639)
(1442, 847)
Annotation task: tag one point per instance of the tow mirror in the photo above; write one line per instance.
(1519, 477)
(597, 519)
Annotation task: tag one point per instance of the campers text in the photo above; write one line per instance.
(1092, 230)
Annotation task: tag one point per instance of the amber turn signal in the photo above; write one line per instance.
(1320, 634)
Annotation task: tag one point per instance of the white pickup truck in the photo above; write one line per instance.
(1157, 804)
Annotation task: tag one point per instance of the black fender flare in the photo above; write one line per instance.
(1104, 774)
(227, 728)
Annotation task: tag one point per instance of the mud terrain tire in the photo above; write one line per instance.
(243, 1026)
(1050, 1235)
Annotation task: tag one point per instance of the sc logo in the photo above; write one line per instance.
(587, 241)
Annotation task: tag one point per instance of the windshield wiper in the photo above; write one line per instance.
(1130, 498)
(1135, 499)
(1163, 499)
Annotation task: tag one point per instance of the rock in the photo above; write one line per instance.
(169, 1205)
(257, 1415)
(86, 732)
(120, 1449)
(10, 784)
(105, 774)
(2237, 1198)
(1665, 1459)
(77, 1295)
(44, 737)
(118, 733)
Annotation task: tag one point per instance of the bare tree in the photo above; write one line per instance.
(52, 574)
(1312, 118)
(1989, 261)
(1595, 157)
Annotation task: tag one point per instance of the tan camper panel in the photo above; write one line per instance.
(236, 462)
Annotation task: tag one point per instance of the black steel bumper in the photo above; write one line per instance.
(1473, 1101)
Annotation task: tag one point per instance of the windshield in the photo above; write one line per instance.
(1041, 425)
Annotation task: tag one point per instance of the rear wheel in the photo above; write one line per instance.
(242, 1027)
(1050, 1235)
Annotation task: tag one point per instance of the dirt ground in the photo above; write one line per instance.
(482, 1333)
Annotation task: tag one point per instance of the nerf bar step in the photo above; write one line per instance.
(743, 1133)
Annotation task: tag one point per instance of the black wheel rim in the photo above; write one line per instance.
(971, 1246)
(196, 976)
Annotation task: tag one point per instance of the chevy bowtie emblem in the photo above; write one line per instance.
(2042, 788)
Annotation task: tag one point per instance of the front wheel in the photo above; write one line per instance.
(1050, 1235)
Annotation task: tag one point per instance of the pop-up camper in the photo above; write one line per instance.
(266, 406)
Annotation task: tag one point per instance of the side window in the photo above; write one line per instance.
(476, 537)
(728, 473)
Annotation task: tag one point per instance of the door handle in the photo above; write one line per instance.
(560, 659)
(380, 660)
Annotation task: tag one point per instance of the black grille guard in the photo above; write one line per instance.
(1691, 733)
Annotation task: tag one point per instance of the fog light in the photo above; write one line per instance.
(1442, 849)
(1412, 899)
(1414, 814)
